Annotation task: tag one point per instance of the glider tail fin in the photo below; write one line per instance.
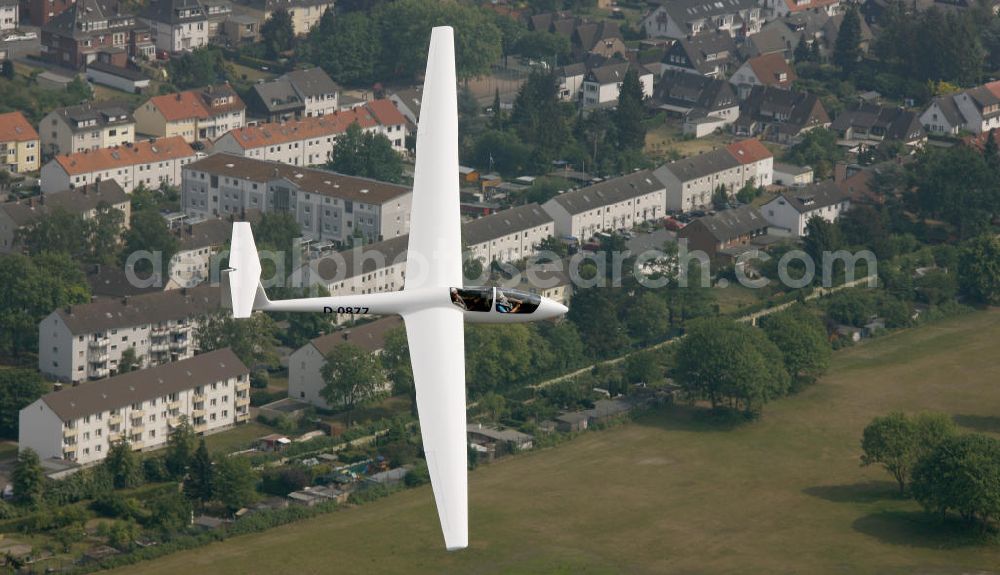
(243, 274)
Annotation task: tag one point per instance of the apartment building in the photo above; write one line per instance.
(309, 142)
(88, 126)
(79, 424)
(86, 341)
(691, 182)
(197, 242)
(90, 30)
(177, 25)
(328, 206)
(304, 13)
(790, 212)
(84, 201)
(19, 143)
(684, 18)
(609, 205)
(151, 163)
(509, 235)
(296, 95)
(195, 115)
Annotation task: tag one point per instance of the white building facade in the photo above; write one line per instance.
(610, 205)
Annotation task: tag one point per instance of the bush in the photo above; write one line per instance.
(419, 475)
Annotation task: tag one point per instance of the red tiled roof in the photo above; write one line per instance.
(385, 112)
(14, 127)
(379, 112)
(769, 67)
(994, 88)
(143, 152)
(191, 104)
(749, 151)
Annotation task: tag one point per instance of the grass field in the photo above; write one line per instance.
(671, 494)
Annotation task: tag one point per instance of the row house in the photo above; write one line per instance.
(15, 217)
(305, 14)
(195, 115)
(791, 211)
(682, 18)
(508, 235)
(296, 95)
(19, 144)
(329, 207)
(869, 125)
(87, 126)
(151, 163)
(703, 103)
(709, 54)
(617, 203)
(95, 30)
(177, 25)
(783, 116)
(86, 341)
(602, 84)
(726, 233)
(81, 424)
(975, 110)
(691, 182)
(197, 242)
(310, 142)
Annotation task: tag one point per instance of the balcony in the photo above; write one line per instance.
(137, 428)
(114, 436)
(196, 413)
(114, 419)
(242, 401)
(242, 385)
(242, 417)
(173, 405)
(69, 432)
(198, 398)
(159, 347)
(174, 421)
(179, 346)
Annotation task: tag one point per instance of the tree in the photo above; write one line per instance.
(352, 377)
(170, 512)
(122, 464)
(500, 151)
(57, 231)
(822, 237)
(802, 53)
(149, 232)
(961, 474)
(395, 358)
(181, 445)
(817, 148)
(897, 442)
(129, 361)
(543, 45)
(979, 269)
(199, 484)
(593, 313)
(494, 406)
(630, 112)
(642, 367)
(538, 117)
(648, 318)
(253, 340)
(28, 478)
(197, 68)
(801, 337)
(346, 46)
(847, 50)
(730, 363)
(18, 389)
(234, 482)
(366, 154)
(278, 33)
(957, 185)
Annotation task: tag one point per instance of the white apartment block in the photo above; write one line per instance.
(8, 14)
(309, 142)
(609, 205)
(88, 126)
(509, 235)
(602, 85)
(79, 424)
(150, 163)
(191, 265)
(177, 25)
(328, 206)
(86, 341)
(691, 182)
(790, 212)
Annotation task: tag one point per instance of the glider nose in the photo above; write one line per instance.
(551, 309)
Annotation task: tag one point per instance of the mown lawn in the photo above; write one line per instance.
(670, 493)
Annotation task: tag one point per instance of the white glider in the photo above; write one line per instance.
(432, 304)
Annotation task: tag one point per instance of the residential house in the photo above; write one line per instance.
(724, 234)
(705, 104)
(780, 115)
(783, 8)
(304, 13)
(943, 117)
(508, 235)
(709, 54)
(791, 211)
(80, 424)
(195, 115)
(38, 12)
(691, 182)
(151, 163)
(305, 365)
(238, 30)
(775, 37)
(327, 206)
(296, 95)
(602, 84)
(407, 101)
(86, 341)
(975, 110)
(177, 25)
(92, 30)
(597, 38)
(792, 176)
(570, 79)
(310, 142)
(869, 125)
(9, 14)
(83, 201)
(197, 242)
(765, 70)
(613, 204)
(88, 126)
(218, 13)
(683, 18)
(19, 144)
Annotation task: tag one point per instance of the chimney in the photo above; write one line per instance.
(840, 172)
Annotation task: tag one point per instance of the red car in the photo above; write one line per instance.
(672, 224)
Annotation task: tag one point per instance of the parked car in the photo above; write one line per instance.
(672, 224)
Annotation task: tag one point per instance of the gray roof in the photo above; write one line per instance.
(312, 82)
(700, 93)
(369, 336)
(814, 197)
(766, 103)
(773, 37)
(360, 260)
(570, 70)
(75, 201)
(80, 20)
(609, 192)
(109, 113)
(729, 224)
(511, 435)
(693, 10)
(894, 123)
(143, 309)
(278, 96)
(174, 12)
(701, 165)
(791, 169)
(502, 223)
(698, 48)
(949, 109)
(611, 73)
(143, 385)
(127, 73)
(208, 233)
